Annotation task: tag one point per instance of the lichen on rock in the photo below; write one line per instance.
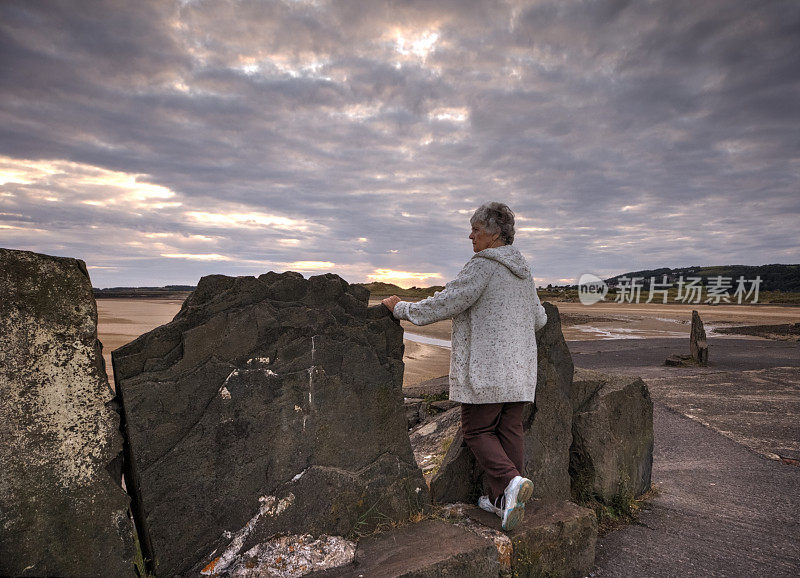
(61, 510)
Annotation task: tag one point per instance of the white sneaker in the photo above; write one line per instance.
(518, 491)
(484, 503)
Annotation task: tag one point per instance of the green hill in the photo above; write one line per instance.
(774, 277)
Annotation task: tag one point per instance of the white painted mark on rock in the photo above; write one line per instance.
(233, 373)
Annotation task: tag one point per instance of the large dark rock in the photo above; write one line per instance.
(61, 512)
(269, 405)
(612, 429)
(547, 424)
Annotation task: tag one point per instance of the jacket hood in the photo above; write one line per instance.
(509, 256)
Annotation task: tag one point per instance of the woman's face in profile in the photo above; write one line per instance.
(481, 239)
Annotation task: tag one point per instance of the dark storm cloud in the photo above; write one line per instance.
(625, 134)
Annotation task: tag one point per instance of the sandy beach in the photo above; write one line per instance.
(120, 321)
(123, 320)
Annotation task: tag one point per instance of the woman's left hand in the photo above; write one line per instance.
(390, 302)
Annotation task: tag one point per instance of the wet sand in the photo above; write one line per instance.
(646, 320)
(424, 362)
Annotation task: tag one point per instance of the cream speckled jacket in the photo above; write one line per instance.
(496, 313)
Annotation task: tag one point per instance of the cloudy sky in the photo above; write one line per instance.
(160, 141)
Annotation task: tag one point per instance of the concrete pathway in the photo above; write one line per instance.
(722, 510)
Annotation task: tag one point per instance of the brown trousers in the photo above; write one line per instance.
(493, 431)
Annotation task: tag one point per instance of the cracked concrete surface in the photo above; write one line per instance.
(726, 506)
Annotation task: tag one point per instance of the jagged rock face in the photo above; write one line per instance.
(612, 451)
(269, 405)
(61, 512)
(547, 424)
(548, 434)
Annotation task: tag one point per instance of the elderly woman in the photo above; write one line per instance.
(495, 312)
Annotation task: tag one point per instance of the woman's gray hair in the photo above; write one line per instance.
(496, 218)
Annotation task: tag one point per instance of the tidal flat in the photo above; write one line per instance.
(123, 320)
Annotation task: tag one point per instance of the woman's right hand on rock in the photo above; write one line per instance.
(390, 302)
